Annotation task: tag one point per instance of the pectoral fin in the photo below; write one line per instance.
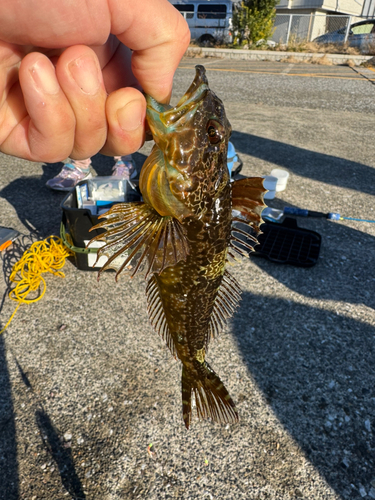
(247, 207)
(140, 240)
(248, 199)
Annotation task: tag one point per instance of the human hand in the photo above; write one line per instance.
(55, 102)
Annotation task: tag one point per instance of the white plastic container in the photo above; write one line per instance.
(282, 178)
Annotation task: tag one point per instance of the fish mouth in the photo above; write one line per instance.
(164, 118)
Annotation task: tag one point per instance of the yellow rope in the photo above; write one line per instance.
(47, 256)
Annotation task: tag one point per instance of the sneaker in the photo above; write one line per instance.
(68, 178)
(126, 169)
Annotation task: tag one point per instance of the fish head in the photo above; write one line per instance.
(188, 167)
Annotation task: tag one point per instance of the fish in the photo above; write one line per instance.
(182, 236)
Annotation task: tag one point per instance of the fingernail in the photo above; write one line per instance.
(131, 116)
(43, 74)
(85, 72)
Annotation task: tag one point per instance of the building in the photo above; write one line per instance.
(368, 8)
(308, 19)
(340, 7)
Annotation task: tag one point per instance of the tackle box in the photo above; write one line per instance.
(286, 243)
(80, 215)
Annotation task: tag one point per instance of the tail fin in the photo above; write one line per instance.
(211, 397)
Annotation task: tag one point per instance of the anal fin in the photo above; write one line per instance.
(226, 302)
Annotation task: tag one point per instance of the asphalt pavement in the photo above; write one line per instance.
(90, 396)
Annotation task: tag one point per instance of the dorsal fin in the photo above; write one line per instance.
(139, 239)
(226, 302)
(156, 314)
(247, 206)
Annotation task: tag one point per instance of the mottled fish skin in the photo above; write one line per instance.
(195, 155)
(182, 234)
(188, 292)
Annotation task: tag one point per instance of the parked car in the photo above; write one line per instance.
(209, 21)
(360, 35)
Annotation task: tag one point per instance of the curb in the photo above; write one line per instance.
(272, 55)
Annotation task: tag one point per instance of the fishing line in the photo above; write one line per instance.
(46, 256)
(360, 220)
(275, 214)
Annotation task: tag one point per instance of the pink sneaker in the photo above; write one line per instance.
(126, 169)
(68, 178)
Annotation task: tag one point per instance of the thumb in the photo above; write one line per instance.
(158, 35)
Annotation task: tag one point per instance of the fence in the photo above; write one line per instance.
(306, 27)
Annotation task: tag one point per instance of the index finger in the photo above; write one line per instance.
(158, 35)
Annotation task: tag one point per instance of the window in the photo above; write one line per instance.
(213, 11)
(187, 10)
(362, 29)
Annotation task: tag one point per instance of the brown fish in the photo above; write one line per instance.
(181, 237)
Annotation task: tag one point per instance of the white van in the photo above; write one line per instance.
(209, 21)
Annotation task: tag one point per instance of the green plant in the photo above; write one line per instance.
(253, 21)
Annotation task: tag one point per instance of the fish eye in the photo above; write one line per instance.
(214, 132)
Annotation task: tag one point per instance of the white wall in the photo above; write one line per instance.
(351, 7)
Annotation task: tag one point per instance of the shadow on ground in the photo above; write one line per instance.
(310, 164)
(32, 200)
(314, 366)
(346, 255)
(61, 455)
(8, 446)
(316, 369)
